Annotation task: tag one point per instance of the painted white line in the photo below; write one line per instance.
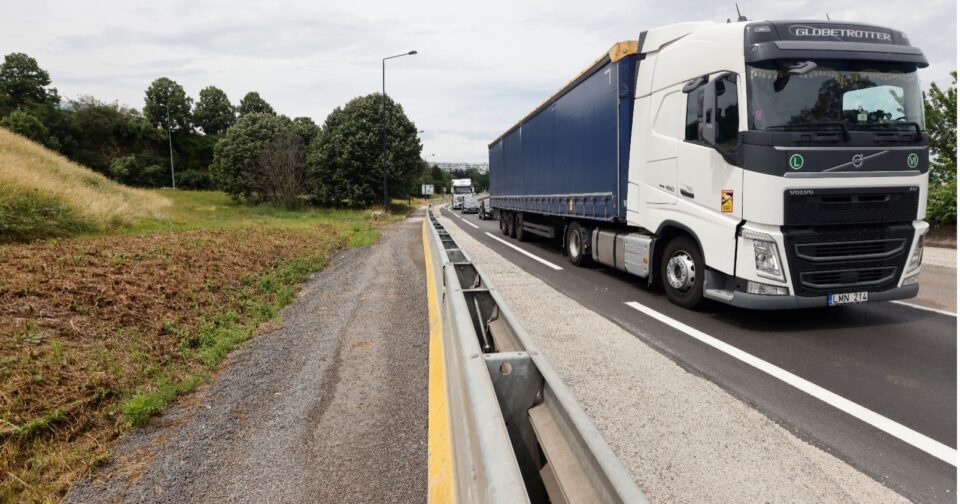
(524, 252)
(470, 223)
(899, 431)
(926, 308)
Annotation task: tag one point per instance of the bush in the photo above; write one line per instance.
(942, 204)
(194, 179)
(26, 125)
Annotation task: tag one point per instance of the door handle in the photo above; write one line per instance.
(686, 193)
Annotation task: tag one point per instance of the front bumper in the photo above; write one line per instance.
(763, 302)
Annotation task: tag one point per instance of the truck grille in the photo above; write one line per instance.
(847, 278)
(869, 205)
(831, 259)
(837, 251)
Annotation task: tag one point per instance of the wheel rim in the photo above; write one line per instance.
(574, 244)
(681, 271)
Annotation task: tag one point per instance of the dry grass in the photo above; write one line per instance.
(38, 187)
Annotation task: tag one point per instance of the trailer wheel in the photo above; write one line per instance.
(518, 223)
(503, 224)
(512, 225)
(575, 246)
(682, 272)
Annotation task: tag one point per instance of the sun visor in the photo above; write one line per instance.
(772, 40)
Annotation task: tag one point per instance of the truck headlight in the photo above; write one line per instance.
(917, 256)
(768, 259)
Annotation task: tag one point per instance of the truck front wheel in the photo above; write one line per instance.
(682, 272)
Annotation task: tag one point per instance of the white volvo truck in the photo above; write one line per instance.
(764, 164)
(461, 188)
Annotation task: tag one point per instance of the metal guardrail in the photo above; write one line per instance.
(517, 433)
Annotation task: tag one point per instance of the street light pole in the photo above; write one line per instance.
(383, 118)
(173, 176)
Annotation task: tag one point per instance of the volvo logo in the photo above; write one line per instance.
(857, 161)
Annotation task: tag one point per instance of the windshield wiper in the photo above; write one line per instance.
(895, 126)
(845, 132)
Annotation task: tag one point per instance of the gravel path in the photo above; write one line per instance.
(331, 407)
(683, 438)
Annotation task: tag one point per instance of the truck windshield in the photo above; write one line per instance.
(837, 94)
(462, 190)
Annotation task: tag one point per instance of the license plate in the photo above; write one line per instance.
(847, 298)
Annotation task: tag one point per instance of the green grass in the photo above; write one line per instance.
(30, 214)
(37, 424)
(206, 209)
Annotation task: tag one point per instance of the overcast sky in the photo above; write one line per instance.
(482, 64)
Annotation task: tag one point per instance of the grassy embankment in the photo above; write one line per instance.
(102, 331)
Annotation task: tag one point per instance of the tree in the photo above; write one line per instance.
(165, 95)
(282, 169)
(24, 124)
(214, 113)
(440, 182)
(98, 133)
(24, 83)
(253, 104)
(940, 109)
(236, 167)
(345, 161)
(306, 129)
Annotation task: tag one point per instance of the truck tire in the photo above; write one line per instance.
(574, 245)
(682, 272)
(512, 225)
(518, 223)
(503, 224)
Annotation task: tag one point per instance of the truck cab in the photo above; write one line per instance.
(461, 188)
(792, 154)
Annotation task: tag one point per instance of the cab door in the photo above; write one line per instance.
(710, 186)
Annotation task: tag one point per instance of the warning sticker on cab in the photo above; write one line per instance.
(726, 201)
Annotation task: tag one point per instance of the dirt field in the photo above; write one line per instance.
(97, 335)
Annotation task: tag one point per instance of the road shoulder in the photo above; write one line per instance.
(328, 407)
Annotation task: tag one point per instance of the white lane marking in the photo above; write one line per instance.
(899, 431)
(464, 220)
(524, 252)
(926, 308)
(470, 223)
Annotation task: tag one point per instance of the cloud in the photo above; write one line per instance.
(481, 67)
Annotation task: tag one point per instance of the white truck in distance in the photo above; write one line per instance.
(763, 164)
(461, 187)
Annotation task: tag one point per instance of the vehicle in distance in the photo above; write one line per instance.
(470, 204)
(461, 187)
(486, 210)
(764, 164)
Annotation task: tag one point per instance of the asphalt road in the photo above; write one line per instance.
(330, 407)
(897, 361)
